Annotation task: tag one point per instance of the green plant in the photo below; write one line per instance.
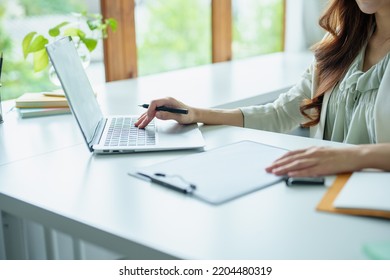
(34, 43)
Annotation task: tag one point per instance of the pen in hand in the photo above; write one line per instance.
(167, 109)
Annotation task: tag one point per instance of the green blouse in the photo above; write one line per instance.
(350, 115)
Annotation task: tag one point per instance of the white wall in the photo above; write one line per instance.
(93, 6)
(302, 29)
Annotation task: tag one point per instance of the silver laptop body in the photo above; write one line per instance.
(96, 128)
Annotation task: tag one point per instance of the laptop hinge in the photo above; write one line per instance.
(98, 133)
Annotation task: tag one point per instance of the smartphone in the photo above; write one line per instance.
(305, 181)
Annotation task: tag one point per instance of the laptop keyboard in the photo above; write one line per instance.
(122, 132)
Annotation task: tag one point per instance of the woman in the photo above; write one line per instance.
(344, 96)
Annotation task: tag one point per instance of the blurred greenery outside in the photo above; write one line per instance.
(171, 34)
(18, 75)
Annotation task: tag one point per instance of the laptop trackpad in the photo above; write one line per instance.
(171, 133)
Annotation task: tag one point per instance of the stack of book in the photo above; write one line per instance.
(42, 104)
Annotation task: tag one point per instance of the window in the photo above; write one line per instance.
(257, 27)
(172, 34)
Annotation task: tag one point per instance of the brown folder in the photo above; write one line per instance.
(326, 204)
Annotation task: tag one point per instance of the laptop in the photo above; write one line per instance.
(113, 134)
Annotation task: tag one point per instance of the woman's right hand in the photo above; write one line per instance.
(151, 113)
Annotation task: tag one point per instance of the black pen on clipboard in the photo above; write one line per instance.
(160, 179)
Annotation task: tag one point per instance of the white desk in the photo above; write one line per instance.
(57, 182)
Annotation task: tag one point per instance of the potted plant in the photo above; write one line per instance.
(34, 43)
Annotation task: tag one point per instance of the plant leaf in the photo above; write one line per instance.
(76, 32)
(41, 60)
(93, 24)
(112, 23)
(26, 43)
(89, 43)
(55, 31)
(37, 44)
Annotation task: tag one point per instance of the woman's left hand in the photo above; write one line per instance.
(316, 161)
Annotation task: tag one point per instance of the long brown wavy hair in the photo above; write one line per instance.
(348, 30)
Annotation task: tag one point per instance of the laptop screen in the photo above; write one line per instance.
(76, 85)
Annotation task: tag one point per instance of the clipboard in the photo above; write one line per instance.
(218, 175)
(326, 204)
